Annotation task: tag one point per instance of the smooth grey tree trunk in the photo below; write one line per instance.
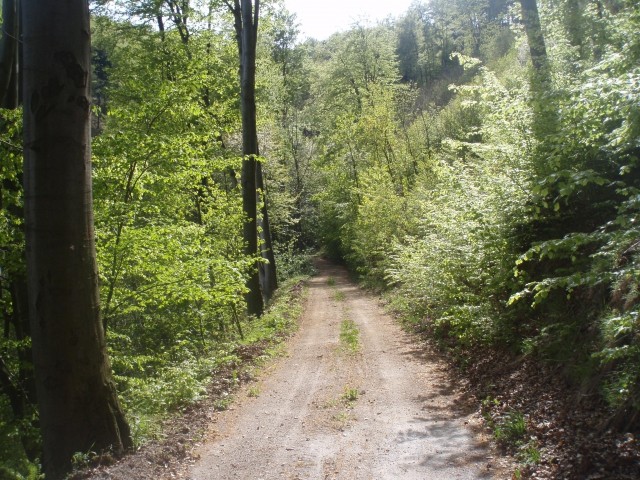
(79, 410)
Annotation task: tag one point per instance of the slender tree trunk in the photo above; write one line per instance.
(79, 409)
(255, 304)
(269, 277)
(9, 55)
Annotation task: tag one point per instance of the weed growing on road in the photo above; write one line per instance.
(339, 296)
(331, 281)
(330, 403)
(349, 336)
(350, 394)
(341, 420)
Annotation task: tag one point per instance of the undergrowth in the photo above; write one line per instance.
(177, 385)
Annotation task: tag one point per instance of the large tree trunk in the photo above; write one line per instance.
(544, 103)
(79, 410)
(246, 25)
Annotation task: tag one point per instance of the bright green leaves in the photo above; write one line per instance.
(11, 236)
(379, 223)
(168, 217)
(621, 350)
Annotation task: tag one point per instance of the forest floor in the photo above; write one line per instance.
(354, 397)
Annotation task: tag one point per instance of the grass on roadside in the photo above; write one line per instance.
(254, 391)
(510, 431)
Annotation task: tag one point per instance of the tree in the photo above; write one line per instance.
(246, 26)
(9, 55)
(16, 371)
(268, 275)
(79, 409)
(535, 38)
(544, 100)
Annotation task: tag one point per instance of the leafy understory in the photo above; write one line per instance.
(264, 339)
(178, 385)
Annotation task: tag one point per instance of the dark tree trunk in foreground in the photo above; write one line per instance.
(246, 25)
(79, 410)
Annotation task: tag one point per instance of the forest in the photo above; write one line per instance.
(474, 162)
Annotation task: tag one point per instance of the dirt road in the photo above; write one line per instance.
(325, 412)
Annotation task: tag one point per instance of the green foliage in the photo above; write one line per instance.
(503, 214)
(511, 429)
(19, 439)
(431, 31)
(454, 267)
(281, 317)
(580, 272)
(292, 262)
(15, 464)
(167, 212)
(11, 223)
(153, 386)
(169, 219)
(167, 223)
